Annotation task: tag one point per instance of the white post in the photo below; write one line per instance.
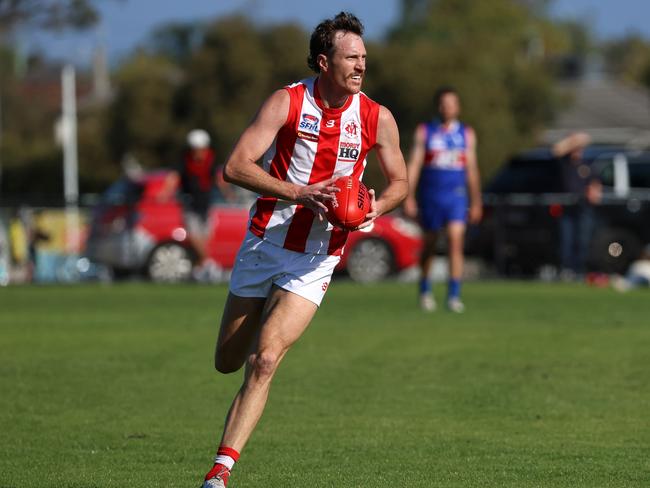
(70, 162)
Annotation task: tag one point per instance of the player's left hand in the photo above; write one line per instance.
(373, 213)
(475, 213)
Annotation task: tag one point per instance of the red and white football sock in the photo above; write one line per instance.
(226, 456)
(223, 462)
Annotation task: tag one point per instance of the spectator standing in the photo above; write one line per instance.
(201, 184)
(577, 221)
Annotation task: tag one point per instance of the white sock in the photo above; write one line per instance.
(227, 461)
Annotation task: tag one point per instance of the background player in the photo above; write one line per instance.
(442, 168)
(312, 132)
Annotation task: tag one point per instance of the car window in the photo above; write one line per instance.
(528, 176)
(604, 170)
(640, 174)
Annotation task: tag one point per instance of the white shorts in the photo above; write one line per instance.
(260, 265)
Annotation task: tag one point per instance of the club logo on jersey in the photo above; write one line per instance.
(308, 127)
(349, 151)
(351, 130)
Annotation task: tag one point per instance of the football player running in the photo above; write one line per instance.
(306, 134)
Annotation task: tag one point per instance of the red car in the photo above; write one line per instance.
(136, 229)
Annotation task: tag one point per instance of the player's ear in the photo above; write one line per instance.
(323, 62)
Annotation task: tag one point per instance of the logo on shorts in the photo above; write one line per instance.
(325, 285)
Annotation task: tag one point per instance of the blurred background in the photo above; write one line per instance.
(97, 100)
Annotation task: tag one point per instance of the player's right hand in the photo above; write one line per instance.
(314, 196)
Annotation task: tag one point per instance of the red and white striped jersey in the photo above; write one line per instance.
(315, 143)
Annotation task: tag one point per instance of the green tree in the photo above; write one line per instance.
(141, 118)
(236, 67)
(30, 100)
(629, 58)
(484, 50)
(48, 14)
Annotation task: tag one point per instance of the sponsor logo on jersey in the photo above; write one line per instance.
(349, 151)
(308, 127)
(309, 123)
(308, 136)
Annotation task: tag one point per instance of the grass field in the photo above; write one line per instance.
(535, 385)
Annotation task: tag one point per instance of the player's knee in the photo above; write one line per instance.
(264, 363)
(456, 247)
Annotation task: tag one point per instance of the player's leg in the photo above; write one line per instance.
(240, 325)
(196, 233)
(429, 240)
(285, 317)
(455, 243)
(584, 230)
(250, 284)
(431, 221)
(299, 284)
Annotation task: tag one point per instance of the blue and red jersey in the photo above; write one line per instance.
(443, 172)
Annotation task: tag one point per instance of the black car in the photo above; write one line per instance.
(524, 202)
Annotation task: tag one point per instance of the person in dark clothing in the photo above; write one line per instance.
(201, 184)
(578, 221)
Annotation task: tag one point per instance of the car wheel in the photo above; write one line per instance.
(170, 263)
(370, 260)
(613, 250)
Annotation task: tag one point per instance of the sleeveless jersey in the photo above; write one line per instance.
(314, 144)
(443, 173)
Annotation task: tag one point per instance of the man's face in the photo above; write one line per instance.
(449, 107)
(347, 63)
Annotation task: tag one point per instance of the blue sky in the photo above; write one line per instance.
(125, 23)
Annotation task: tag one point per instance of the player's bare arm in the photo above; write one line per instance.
(242, 169)
(392, 165)
(416, 160)
(473, 180)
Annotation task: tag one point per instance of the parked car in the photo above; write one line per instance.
(524, 202)
(135, 229)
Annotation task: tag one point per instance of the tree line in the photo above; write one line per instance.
(503, 57)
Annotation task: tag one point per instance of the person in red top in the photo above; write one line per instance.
(201, 184)
(306, 135)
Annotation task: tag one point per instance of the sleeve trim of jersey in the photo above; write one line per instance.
(371, 119)
(296, 93)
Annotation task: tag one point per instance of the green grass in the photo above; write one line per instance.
(535, 385)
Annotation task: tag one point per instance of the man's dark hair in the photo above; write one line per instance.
(441, 92)
(322, 39)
